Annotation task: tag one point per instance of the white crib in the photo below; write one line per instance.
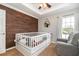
(32, 43)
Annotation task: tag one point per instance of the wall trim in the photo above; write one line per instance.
(7, 50)
(10, 48)
(19, 10)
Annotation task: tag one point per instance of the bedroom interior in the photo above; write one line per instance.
(43, 29)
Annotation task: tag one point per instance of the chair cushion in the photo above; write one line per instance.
(75, 39)
(70, 37)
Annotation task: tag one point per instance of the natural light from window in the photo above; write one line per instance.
(67, 25)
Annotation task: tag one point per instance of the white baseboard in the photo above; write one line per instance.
(2, 51)
(6, 50)
(10, 48)
(53, 42)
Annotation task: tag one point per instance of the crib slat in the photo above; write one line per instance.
(29, 42)
(32, 43)
(26, 41)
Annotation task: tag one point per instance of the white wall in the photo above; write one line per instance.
(52, 27)
(2, 31)
(55, 21)
(77, 20)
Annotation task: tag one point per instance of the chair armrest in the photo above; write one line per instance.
(66, 49)
(63, 43)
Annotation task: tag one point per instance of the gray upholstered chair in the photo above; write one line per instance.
(70, 48)
(65, 40)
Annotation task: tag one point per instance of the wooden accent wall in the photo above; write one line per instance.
(17, 22)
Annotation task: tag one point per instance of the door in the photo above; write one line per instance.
(2, 31)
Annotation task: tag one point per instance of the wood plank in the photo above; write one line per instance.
(17, 22)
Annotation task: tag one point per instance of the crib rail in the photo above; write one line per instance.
(33, 41)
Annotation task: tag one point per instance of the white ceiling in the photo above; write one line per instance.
(32, 8)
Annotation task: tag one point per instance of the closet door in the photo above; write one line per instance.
(2, 31)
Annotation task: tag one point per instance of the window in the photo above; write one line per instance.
(67, 25)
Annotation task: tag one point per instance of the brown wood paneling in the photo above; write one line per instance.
(17, 22)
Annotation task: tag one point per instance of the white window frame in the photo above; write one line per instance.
(65, 16)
